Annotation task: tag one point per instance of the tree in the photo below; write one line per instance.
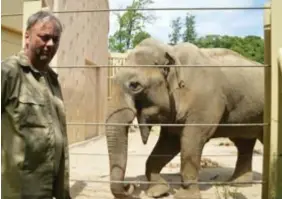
(117, 41)
(209, 41)
(254, 48)
(250, 46)
(139, 36)
(189, 34)
(176, 26)
(131, 26)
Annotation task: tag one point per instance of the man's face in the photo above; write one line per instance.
(42, 41)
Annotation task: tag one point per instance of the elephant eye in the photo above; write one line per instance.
(135, 86)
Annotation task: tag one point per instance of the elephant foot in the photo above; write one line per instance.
(188, 194)
(158, 190)
(237, 179)
(129, 189)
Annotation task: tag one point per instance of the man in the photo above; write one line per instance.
(35, 161)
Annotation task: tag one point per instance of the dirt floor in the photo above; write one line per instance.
(89, 164)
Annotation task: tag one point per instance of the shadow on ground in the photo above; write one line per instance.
(206, 175)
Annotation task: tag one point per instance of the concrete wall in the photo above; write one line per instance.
(84, 42)
(10, 7)
(11, 27)
(11, 42)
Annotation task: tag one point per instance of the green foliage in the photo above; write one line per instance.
(176, 26)
(138, 37)
(189, 34)
(251, 47)
(131, 26)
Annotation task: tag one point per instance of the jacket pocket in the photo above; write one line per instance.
(32, 111)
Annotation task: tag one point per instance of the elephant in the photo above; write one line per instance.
(184, 95)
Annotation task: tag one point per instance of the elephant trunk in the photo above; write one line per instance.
(117, 140)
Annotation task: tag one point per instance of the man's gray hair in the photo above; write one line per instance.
(41, 16)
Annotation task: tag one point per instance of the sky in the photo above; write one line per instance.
(228, 22)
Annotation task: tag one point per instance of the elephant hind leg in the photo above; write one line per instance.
(166, 148)
(243, 169)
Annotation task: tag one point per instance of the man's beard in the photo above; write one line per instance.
(42, 57)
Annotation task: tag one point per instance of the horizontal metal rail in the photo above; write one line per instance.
(171, 183)
(164, 155)
(161, 66)
(149, 9)
(169, 125)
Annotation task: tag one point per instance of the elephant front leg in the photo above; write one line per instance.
(193, 139)
(167, 147)
(243, 170)
(192, 143)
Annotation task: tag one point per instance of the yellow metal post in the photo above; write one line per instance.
(267, 99)
(279, 147)
(29, 7)
(275, 165)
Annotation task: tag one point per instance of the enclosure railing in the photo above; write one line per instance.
(272, 169)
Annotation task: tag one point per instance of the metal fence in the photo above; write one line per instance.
(272, 174)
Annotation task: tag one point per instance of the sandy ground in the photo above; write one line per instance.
(89, 164)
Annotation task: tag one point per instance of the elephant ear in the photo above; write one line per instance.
(170, 60)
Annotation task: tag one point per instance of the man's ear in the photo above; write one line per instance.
(26, 36)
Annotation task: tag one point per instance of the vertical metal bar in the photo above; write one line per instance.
(267, 99)
(279, 140)
(275, 172)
